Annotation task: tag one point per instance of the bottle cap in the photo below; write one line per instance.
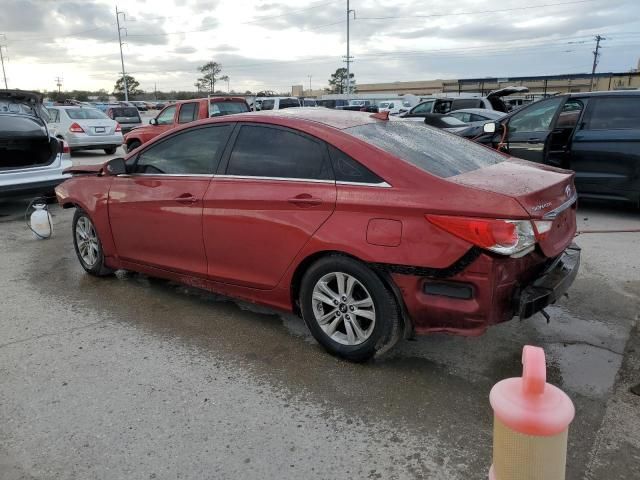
(529, 404)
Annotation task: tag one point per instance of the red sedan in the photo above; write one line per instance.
(370, 228)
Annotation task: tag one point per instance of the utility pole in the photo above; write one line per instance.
(155, 91)
(596, 54)
(4, 74)
(124, 76)
(309, 84)
(348, 58)
(59, 83)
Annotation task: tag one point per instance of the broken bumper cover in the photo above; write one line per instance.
(550, 285)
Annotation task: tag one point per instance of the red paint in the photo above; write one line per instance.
(248, 238)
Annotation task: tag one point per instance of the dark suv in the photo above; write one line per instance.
(595, 134)
(127, 117)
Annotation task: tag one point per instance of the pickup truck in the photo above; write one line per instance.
(182, 112)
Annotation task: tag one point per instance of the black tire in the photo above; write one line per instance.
(132, 145)
(385, 331)
(110, 150)
(97, 268)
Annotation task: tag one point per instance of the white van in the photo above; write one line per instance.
(394, 107)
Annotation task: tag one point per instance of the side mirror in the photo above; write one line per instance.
(153, 121)
(490, 127)
(115, 166)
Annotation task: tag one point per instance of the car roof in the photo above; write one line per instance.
(339, 119)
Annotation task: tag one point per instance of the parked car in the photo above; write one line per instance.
(309, 102)
(32, 160)
(85, 128)
(445, 105)
(369, 228)
(595, 134)
(476, 116)
(394, 107)
(160, 105)
(277, 103)
(140, 105)
(182, 112)
(127, 117)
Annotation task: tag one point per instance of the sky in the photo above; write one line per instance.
(274, 44)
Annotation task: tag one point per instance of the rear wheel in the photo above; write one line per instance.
(88, 246)
(110, 150)
(132, 145)
(348, 308)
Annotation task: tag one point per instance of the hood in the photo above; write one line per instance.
(503, 92)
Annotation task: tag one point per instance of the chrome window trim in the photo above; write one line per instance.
(364, 184)
(283, 179)
(198, 175)
(557, 211)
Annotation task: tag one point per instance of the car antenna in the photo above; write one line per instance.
(381, 115)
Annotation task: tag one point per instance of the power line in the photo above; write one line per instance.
(482, 12)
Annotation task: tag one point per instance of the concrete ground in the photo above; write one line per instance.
(129, 377)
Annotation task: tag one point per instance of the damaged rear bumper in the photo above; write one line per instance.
(550, 285)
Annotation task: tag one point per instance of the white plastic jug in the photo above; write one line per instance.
(40, 222)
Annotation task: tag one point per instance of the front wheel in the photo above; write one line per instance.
(88, 246)
(348, 309)
(110, 150)
(132, 145)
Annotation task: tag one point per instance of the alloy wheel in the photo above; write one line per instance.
(87, 241)
(343, 308)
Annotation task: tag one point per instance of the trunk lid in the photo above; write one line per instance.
(545, 193)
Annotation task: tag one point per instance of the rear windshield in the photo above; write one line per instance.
(226, 108)
(432, 150)
(85, 113)
(125, 112)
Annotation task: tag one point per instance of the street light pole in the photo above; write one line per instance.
(124, 76)
(309, 84)
(348, 59)
(4, 74)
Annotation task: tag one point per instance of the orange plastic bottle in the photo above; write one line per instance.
(531, 423)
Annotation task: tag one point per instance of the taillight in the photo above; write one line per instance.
(507, 237)
(118, 127)
(65, 147)
(75, 128)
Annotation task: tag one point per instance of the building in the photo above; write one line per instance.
(545, 84)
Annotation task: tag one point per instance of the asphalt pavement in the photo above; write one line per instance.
(129, 377)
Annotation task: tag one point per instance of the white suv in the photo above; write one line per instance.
(32, 161)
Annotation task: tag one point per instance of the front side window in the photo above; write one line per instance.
(187, 153)
(423, 107)
(569, 114)
(166, 116)
(188, 112)
(536, 118)
(462, 116)
(613, 113)
(431, 150)
(267, 104)
(277, 153)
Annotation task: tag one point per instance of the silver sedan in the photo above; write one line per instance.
(85, 128)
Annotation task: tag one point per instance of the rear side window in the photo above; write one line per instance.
(423, 107)
(613, 113)
(188, 112)
(267, 105)
(346, 169)
(277, 153)
(429, 149)
(124, 112)
(187, 153)
(459, 104)
(54, 115)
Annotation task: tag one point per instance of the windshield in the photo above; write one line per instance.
(227, 108)
(85, 114)
(431, 150)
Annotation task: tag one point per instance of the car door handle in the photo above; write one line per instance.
(186, 198)
(305, 200)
